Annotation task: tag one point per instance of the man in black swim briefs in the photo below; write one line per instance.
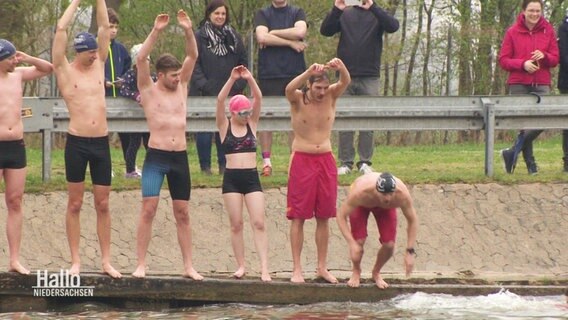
(12, 148)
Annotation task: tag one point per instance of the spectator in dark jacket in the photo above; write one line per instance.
(563, 77)
(117, 64)
(220, 50)
(118, 61)
(360, 47)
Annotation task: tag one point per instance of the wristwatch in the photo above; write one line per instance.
(411, 251)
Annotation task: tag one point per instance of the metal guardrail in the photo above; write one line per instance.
(488, 113)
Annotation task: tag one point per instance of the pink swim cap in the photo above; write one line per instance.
(239, 103)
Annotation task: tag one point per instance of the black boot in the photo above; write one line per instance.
(529, 158)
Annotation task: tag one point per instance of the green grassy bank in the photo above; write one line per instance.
(414, 164)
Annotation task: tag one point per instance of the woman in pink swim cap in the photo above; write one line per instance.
(241, 180)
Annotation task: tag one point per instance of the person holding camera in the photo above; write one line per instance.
(361, 29)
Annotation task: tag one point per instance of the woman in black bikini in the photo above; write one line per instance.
(241, 180)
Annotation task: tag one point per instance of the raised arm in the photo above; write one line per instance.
(339, 87)
(142, 64)
(190, 47)
(292, 91)
(330, 24)
(60, 39)
(103, 33)
(38, 69)
(220, 117)
(240, 85)
(256, 93)
(388, 23)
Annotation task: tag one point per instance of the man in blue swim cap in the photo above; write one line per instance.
(7, 49)
(381, 194)
(12, 148)
(81, 83)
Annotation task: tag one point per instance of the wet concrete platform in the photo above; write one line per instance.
(171, 291)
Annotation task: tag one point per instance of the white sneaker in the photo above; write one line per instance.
(343, 170)
(365, 168)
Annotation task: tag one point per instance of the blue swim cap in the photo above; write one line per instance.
(386, 183)
(85, 41)
(7, 49)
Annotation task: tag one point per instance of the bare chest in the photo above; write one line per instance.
(162, 109)
(76, 84)
(11, 91)
(314, 117)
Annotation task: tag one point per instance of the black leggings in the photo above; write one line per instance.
(130, 142)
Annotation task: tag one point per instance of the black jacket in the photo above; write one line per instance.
(563, 48)
(212, 71)
(361, 40)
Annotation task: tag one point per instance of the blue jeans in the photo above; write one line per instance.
(359, 86)
(204, 142)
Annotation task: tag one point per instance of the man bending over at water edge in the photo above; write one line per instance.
(381, 194)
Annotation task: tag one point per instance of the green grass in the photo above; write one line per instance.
(415, 164)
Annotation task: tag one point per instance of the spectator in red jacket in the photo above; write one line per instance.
(528, 52)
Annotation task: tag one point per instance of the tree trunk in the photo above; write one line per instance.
(399, 55)
(413, 51)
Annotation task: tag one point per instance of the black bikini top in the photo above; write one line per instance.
(246, 143)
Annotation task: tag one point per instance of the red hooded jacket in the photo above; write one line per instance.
(518, 45)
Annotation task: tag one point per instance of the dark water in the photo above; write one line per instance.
(503, 305)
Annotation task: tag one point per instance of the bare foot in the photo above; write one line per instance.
(265, 276)
(17, 267)
(297, 277)
(140, 271)
(326, 276)
(355, 280)
(108, 269)
(240, 273)
(381, 284)
(191, 273)
(75, 268)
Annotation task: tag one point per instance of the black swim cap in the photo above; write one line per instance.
(386, 183)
